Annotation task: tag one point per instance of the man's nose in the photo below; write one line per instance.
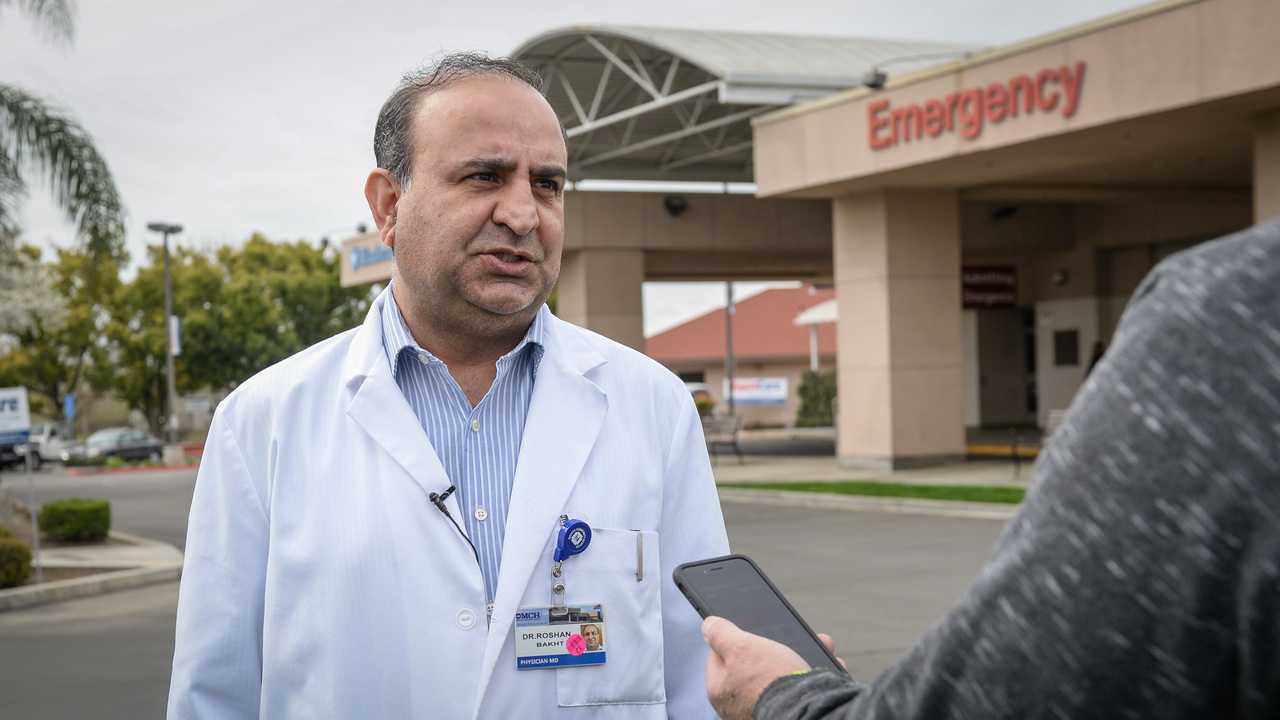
(517, 209)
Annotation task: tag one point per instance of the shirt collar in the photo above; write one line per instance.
(396, 338)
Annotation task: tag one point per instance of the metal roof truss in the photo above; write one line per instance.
(636, 112)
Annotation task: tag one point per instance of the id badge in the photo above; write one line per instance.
(556, 637)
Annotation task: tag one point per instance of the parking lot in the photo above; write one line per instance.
(874, 581)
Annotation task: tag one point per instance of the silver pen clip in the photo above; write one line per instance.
(639, 556)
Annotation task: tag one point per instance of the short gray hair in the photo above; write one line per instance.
(393, 136)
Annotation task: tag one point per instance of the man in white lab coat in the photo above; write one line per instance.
(378, 516)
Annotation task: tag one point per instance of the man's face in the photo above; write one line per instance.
(478, 233)
(591, 634)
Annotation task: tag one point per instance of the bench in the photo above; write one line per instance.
(721, 432)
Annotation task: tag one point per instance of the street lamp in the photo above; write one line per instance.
(172, 428)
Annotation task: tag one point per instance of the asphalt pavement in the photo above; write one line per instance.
(875, 581)
(153, 504)
(106, 657)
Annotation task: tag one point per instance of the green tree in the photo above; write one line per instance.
(134, 339)
(36, 136)
(242, 309)
(304, 285)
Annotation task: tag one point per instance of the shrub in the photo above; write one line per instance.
(115, 461)
(76, 519)
(84, 461)
(705, 405)
(817, 393)
(5, 531)
(15, 562)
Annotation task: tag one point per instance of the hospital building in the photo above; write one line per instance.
(983, 213)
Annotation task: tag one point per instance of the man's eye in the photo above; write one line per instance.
(485, 177)
(551, 185)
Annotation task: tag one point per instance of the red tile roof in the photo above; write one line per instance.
(762, 330)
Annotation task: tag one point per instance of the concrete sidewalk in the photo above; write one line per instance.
(771, 468)
(129, 562)
(793, 469)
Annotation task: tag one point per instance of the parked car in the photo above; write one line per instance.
(125, 443)
(9, 456)
(47, 443)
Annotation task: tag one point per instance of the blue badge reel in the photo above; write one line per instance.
(575, 536)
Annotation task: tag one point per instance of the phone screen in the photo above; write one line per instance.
(735, 589)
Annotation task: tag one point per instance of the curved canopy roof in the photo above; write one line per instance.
(672, 104)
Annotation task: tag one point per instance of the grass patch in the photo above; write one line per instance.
(963, 493)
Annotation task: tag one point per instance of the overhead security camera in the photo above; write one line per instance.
(675, 204)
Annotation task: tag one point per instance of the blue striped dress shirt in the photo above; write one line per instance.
(477, 446)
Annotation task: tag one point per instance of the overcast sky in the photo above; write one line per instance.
(257, 115)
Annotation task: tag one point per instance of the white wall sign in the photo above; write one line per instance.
(760, 391)
(15, 416)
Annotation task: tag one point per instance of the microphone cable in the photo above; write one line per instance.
(438, 499)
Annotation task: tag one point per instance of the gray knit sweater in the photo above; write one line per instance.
(1141, 577)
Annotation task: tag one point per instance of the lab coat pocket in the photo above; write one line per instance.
(620, 570)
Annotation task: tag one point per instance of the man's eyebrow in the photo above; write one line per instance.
(550, 171)
(504, 165)
(488, 164)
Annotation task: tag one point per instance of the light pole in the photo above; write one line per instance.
(171, 429)
(730, 361)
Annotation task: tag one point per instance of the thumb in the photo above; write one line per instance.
(718, 632)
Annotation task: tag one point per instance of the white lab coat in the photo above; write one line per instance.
(320, 581)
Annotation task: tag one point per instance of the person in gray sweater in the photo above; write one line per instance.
(1141, 576)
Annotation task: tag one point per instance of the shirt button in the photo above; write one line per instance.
(488, 610)
(425, 358)
(475, 425)
(465, 619)
(482, 514)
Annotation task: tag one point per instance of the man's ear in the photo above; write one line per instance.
(383, 192)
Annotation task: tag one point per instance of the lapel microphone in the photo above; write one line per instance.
(438, 499)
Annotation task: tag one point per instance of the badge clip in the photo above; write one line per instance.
(574, 537)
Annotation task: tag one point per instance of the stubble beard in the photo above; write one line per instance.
(451, 307)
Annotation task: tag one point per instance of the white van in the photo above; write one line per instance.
(47, 442)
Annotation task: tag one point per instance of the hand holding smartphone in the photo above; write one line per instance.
(733, 587)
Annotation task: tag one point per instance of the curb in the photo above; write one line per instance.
(80, 472)
(906, 506)
(27, 596)
(1025, 451)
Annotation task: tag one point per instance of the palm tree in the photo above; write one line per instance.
(38, 136)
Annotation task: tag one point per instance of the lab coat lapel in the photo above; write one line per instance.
(380, 408)
(566, 412)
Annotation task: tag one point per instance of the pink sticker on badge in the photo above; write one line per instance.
(575, 645)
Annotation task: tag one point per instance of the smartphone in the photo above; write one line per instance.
(733, 587)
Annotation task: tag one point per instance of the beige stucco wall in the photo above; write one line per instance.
(1266, 167)
(899, 342)
(1170, 56)
(710, 221)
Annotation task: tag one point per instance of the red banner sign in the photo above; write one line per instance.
(989, 286)
(967, 111)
